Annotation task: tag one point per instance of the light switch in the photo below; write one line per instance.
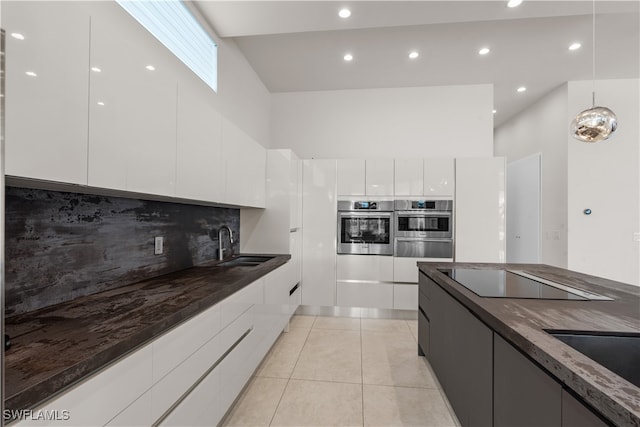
(159, 245)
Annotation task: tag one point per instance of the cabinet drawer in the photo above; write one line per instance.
(178, 344)
(168, 390)
(424, 303)
(423, 334)
(372, 295)
(405, 297)
(119, 385)
(365, 267)
(241, 301)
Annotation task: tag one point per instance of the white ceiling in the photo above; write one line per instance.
(299, 45)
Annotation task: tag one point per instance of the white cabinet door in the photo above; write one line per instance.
(47, 90)
(245, 167)
(132, 106)
(98, 399)
(439, 177)
(405, 296)
(409, 177)
(480, 210)
(379, 177)
(351, 177)
(199, 166)
(365, 267)
(368, 294)
(319, 233)
(405, 270)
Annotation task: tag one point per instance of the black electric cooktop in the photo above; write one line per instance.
(507, 284)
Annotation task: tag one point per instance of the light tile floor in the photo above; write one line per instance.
(338, 371)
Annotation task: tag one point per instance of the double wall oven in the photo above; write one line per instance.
(365, 227)
(423, 228)
(403, 228)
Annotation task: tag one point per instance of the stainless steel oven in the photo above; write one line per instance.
(423, 228)
(365, 227)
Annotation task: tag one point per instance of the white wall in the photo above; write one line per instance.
(604, 177)
(543, 128)
(445, 121)
(243, 97)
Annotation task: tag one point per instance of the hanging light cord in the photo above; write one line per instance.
(593, 55)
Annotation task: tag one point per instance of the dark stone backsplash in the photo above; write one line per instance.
(59, 246)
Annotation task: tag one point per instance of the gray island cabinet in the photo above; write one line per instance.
(460, 353)
(487, 369)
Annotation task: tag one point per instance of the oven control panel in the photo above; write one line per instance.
(365, 205)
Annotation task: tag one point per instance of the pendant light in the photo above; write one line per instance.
(597, 123)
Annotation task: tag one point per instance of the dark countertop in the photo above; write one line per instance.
(522, 322)
(57, 346)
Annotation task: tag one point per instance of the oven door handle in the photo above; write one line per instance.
(424, 239)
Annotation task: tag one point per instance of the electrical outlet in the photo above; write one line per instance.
(158, 245)
(636, 237)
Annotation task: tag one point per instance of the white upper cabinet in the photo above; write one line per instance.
(199, 164)
(480, 223)
(245, 167)
(409, 179)
(439, 177)
(424, 177)
(132, 107)
(379, 177)
(47, 89)
(351, 177)
(359, 177)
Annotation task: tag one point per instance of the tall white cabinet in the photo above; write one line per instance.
(277, 229)
(319, 205)
(480, 210)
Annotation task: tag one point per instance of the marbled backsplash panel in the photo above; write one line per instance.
(59, 246)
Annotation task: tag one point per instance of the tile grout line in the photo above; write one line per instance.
(291, 374)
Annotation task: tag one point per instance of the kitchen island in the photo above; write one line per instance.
(475, 344)
(55, 348)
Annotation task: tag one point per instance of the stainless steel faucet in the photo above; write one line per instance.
(221, 249)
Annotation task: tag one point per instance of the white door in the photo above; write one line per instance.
(523, 210)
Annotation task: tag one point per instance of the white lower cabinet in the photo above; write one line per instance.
(405, 296)
(365, 294)
(119, 385)
(364, 281)
(192, 374)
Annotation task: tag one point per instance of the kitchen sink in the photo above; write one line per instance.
(245, 261)
(617, 351)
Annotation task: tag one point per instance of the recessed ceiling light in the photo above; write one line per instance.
(493, 111)
(514, 3)
(484, 51)
(414, 55)
(344, 13)
(150, 68)
(31, 74)
(17, 36)
(96, 69)
(100, 103)
(348, 57)
(575, 46)
(522, 89)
